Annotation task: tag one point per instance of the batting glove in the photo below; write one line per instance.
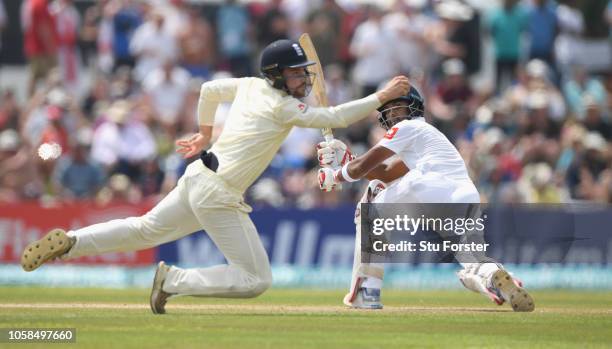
(333, 153)
(328, 179)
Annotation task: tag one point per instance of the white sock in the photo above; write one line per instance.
(372, 282)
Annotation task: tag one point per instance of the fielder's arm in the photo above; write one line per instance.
(294, 112)
(211, 94)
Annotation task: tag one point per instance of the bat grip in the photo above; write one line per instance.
(336, 164)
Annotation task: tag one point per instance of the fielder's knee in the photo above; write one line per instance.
(257, 286)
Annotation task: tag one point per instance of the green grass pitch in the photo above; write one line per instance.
(289, 318)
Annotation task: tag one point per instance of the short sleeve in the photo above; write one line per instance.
(398, 137)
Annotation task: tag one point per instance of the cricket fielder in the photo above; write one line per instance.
(427, 169)
(209, 195)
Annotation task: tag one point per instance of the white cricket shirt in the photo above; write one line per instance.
(421, 146)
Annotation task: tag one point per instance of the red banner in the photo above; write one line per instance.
(23, 223)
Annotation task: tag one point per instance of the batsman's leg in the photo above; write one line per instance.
(486, 276)
(366, 281)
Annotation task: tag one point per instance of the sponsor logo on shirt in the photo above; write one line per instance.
(391, 133)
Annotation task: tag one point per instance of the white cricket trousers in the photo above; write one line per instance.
(414, 187)
(201, 199)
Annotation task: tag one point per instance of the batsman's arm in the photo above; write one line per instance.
(364, 164)
(388, 172)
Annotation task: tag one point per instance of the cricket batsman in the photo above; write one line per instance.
(209, 195)
(413, 163)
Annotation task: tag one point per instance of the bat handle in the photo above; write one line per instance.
(336, 164)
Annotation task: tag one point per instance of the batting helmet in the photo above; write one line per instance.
(279, 55)
(414, 105)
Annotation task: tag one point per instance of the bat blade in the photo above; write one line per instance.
(318, 86)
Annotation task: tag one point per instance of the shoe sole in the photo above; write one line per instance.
(158, 282)
(54, 244)
(368, 307)
(517, 296)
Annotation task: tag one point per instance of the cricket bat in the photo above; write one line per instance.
(318, 87)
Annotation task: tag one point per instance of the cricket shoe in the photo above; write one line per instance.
(511, 290)
(159, 297)
(54, 244)
(363, 297)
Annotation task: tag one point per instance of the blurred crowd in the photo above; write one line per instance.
(522, 88)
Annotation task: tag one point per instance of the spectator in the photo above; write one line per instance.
(338, 89)
(197, 45)
(76, 175)
(40, 40)
(3, 22)
(151, 178)
(408, 25)
(19, 177)
(55, 106)
(88, 35)
(537, 185)
(97, 97)
(535, 79)
(176, 17)
(274, 25)
(608, 88)
(453, 101)
(451, 37)
(506, 25)
(589, 165)
(166, 89)
(324, 24)
(55, 131)
(122, 143)
(126, 17)
(579, 85)
(571, 143)
(119, 189)
(370, 46)
(469, 35)
(453, 93)
(267, 193)
(67, 23)
(189, 118)
(152, 46)
(537, 118)
(594, 120)
(571, 26)
(9, 111)
(543, 29)
(233, 29)
(105, 45)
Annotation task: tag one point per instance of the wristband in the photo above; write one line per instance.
(345, 174)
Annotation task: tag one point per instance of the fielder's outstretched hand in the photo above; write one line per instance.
(192, 146)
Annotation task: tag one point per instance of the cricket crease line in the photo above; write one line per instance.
(262, 308)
